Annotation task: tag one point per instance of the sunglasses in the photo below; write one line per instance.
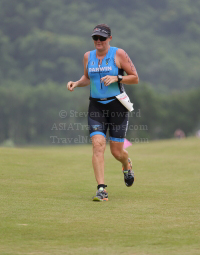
(101, 38)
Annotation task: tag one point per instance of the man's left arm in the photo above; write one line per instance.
(127, 65)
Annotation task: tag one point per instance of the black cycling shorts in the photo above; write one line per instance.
(112, 116)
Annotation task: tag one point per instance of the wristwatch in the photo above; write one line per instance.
(120, 77)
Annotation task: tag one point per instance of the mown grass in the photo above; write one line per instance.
(46, 206)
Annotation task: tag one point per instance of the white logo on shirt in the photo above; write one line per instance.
(101, 69)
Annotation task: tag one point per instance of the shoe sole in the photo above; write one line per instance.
(96, 199)
(128, 185)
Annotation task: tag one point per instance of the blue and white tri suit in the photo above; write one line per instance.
(106, 113)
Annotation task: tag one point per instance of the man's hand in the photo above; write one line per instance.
(71, 85)
(108, 79)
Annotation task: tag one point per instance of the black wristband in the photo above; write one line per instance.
(120, 77)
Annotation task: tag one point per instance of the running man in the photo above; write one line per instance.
(104, 70)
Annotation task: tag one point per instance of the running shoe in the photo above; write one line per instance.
(128, 174)
(101, 195)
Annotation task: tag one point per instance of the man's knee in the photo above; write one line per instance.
(99, 144)
(118, 154)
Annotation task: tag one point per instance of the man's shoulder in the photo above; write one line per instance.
(86, 55)
(90, 54)
(120, 52)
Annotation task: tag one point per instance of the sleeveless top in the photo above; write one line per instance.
(96, 71)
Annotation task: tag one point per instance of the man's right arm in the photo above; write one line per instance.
(84, 80)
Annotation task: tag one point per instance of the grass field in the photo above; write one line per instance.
(46, 206)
